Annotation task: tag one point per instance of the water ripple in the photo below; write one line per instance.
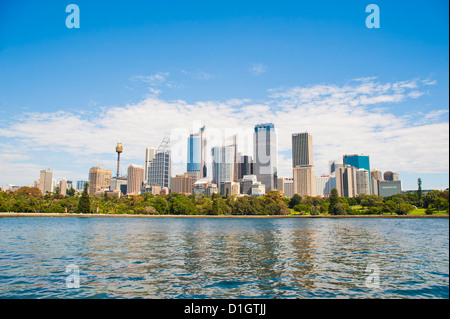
(223, 258)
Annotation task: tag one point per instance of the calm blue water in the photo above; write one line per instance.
(223, 258)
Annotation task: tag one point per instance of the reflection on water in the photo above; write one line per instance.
(223, 258)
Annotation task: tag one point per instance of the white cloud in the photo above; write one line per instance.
(258, 68)
(342, 119)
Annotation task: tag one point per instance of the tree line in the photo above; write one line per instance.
(30, 199)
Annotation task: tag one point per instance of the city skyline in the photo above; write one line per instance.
(68, 96)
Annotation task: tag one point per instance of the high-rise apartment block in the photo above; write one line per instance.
(363, 181)
(346, 183)
(265, 154)
(182, 184)
(99, 179)
(46, 181)
(150, 153)
(390, 176)
(222, 164)
(303, 165)
(324, 185)
(135, 179)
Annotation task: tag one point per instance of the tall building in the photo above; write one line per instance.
(46, 181)
(346, 184)
(390, 176)
(302, 150)
(265, 154)
(99, 179)
(119, 183)
(246, 184)
(286, 186)
(63, 187)
(303, 165)
(80, 185)
(304, 180)
(194, 148)
(182, 184)
(246, 166)
(324, 185)
(135, 179)
(150, 153)
(222, 164)
(332, 165)
(376, 174)
(363, 181)
(360, 161)
(160, 168)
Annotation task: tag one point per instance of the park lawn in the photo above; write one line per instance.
(421, 211)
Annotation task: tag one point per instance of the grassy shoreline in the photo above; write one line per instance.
(215, 216)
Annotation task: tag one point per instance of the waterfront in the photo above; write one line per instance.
(224, 257)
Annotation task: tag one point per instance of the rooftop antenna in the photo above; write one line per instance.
(165, 144)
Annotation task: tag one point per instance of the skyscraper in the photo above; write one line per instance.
(46, 181)
(160, 168)
(223, 164)
(304, 180)
(99, 179)
(346, 183)
(324, 185)
(302, 150)
(159, 171)
(390, 176)
(265, 154)
(135, 179)
(363, 181)
(303, 165)
(359, 161)
(194, 149)
(150, 153)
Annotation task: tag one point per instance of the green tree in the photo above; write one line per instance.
(334, 200)
(440, 203)
(84, 203)
(419, 189)
(295, 200)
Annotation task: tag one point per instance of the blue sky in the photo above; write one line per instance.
(137, 68)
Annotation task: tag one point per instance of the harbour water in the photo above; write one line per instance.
(168, 258)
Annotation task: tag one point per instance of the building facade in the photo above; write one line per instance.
(304, 180)
(135, 179)
(265, 154)
(324, 185)
(286, 186)
(363, 182)
(222, 164)
(150, 153)
(160, 169)
(46, 181)
(346, 181)
(389, 188)
(99, 179)
(303, 165)
(182, 184)
(390, 176)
